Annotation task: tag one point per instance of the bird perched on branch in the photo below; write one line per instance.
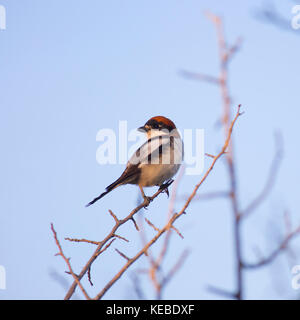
(156, 161)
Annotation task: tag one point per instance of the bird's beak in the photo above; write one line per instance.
(142, 129)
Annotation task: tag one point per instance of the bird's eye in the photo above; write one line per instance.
(155, 125)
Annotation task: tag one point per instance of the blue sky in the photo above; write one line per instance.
(71, 68)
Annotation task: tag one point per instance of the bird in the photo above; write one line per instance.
(155, 162)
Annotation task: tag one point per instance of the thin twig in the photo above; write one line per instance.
(106, 247)
(89, 276)
(273, 171)
(225, 52)
(151, 225)
(178, 232)
(83, 240)
(67, 261)
(114, 216)
(275, 253)
(175, 268)
(200, 77)
(209, 195)
(221, 292)
(120, 237)
(122, 254)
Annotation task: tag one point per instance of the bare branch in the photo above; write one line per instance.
(273, 171)
(135, 224)
(271, 15)
(83, 240)
(209, 195)
(200, 77)
(89, 276)
(222, 292)
(114, 216)
(137, 287)
(233, 49)
(106, 247)
(177, 231)
(225, 146)
(210, 155)
(67, 261)
(122, 255)
(152, 225)
(122, 238)
(275, 253)
(111, 234)
(175, 268)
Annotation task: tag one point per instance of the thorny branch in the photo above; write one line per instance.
(275, 253)
(168, 226)
(174, 217)
(225, 54)
(67, 261)
(268, 13)
(111, 235)
(274, 168)
(155, 271)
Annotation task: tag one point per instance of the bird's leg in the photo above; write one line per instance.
(165, 186)
(146, 199)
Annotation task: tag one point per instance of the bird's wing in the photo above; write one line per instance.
(158, 150)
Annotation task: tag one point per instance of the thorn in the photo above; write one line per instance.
(210, 155)
(167, 192)
(120, 237)
(152, 225)
(177, 231)
(114, 216)
(122, 254)
(135, 224)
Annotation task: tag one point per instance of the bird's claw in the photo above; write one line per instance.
(164, 186)
(147, 201)
(167, 192)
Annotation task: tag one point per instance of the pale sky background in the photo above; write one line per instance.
(71, 68)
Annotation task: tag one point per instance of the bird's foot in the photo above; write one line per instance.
(165, 186)
(147, 201)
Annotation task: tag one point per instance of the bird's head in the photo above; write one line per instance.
(157, 126)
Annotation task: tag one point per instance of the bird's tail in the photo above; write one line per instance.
(130, 175)
(108, 189)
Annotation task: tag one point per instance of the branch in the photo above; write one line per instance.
(209, 195)
(225, 53)
(112, 234)
(82, 240)
(67, 261)
(275, 253)
(274, 168)
(199, 76)
(270, 15)
(175, 268)
(222, 292)
(223, 151)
